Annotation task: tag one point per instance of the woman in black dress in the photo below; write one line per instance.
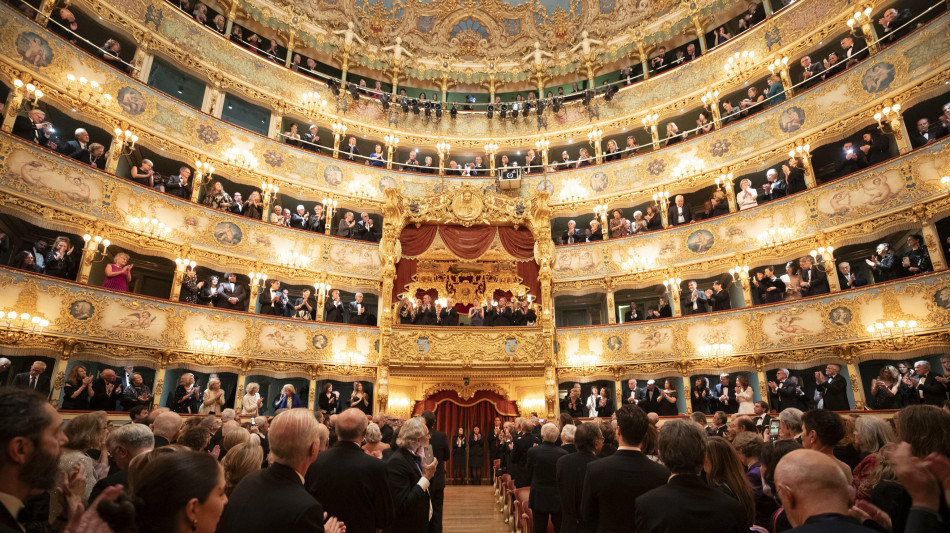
(699, 397)
(187, 395)
(458, 457)
(190, 287)
(59, 260)
(605, 404)
(360, 399)
(885, 389)
(209, 291)
(77, 390)
(667, 400)
(476, 454)
(329, 400)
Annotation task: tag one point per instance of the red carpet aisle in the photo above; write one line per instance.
(472, 510)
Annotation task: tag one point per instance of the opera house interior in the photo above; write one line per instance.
(486, 210)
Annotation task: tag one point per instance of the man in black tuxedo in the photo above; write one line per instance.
(848, 279)
(365, 229)
(760, 416)
(518, 461)
(636, 395)
(237, 206)
(658, 62)
(572, 235)
(440, 451)
(33, 128)
(850, 160)
(179, 185)
(852, 53)
(771, 288)
(726, 395)
(350, 484)
(78, 148)
(311, 140)
(814, 281)
(680, 212)
(334, 311)
(613, 484)
(632, 315)
(107, 390)
(270, 300)
(357, 310)
(785, 392)
(651, 395)
(32, 437)
(720, 298)
(833, 388)
(231, 295)
(812, 73)
(925, 134)
(693, 301)
(449, 316)
(571, 470)
(503, 313)
(351, 150)
(929, 385)
(686, 500)
(815, 495)
(572, 404)
(776, 185)
(410, 480)
(125, 443)
(425, 315)
(35, 379)
(543, 499)
(477, 168)
(296, 439)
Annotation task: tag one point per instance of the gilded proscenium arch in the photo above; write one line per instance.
(287, 86)
(632, 167)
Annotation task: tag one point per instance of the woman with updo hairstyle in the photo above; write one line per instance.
(241, 460)
(374, 442)
(233, 438)
(179, 492)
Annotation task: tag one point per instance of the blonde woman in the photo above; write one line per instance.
(360, 399)
(186, 395)
(744, 395)
(217, 198)
(613, 152)
(118, 274)
(277, 217)
(252, 401)
(746, 197)
(59, 261)
(288, 398)
(241, 460)
(213, 399)
(374, 442)
(673, 134)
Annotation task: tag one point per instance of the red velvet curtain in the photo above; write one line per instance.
(417, 240)
(517, 242)
(405, 270)
(528, 271)
(452, 413)
(467, 243)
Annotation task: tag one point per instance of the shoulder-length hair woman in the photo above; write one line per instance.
(241, 460)
(725, 471)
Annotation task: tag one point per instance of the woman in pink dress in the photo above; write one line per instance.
(118, 274)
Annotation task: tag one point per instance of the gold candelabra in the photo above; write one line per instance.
(124, 142)
(740, 63)
(87, 92)
(600, 211)
(17, 325)
(636, 264)
(391, 143)
(293, 260)
(312, 102)
(321, 290)
(724, 181)
(673, 287)
(329, 206)
(203, 171)
(775, 236)
(715, 350)
(711, 103)
(241, 158)
(572, 192)
(542, 145)
(443, 148)
(740, 274)
(338, 129)
(896, 334)
(151, 227)
(490, 150)
(649, 123)
(27, 91)
(210, 346)
(91, 247)
(594, 137)
(888, 117)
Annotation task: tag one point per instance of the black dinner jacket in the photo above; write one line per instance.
(859, 281)
(335, 313)
(649, 403)
(934, 392)
(425, 317)
(277, 489)
(733, 406)
(268, 307)
(721, 301)
(571, 470)
(101, 402)
(578, 236)
(786, 396)
(355, 317)
(819, 283)
(834, 392)
(42, 383)
(74, 150)
(449, 317)
(24, 128)
(611, 487)
(518, 467)
(503, 317)
(677, 505)
(628, 316)
(439, 442)
(410, 502)
(8, 523)
(542, 471)
(672, 215)
(228, 290)
(352, 486)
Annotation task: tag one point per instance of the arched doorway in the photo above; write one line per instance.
(467, 407)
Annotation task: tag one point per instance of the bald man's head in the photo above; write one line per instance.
(351, 425)
(810, 483)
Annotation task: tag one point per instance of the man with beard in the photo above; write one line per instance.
(31, 437)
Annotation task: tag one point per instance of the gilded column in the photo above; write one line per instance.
(767, 5)
(931, 238)
(276, 119)
(544, 254)
(644, 59)
(69, 346)
(291, 38)
(160, 376)
(312, 396)
(142, 62)
(239, 390)
(685, 371)
(393, 222)
(611, 307)
(14, 101)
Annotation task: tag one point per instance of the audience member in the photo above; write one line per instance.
(439, 443)
(543, 499)
(124, 444)
(821, 431)
(410, 478)
(34, 379)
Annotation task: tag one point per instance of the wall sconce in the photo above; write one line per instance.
(861, 20)
(600, 211)
(27, 91)
(775, 236)
(945, 181)
(124, 142)
(203, 170)
(87, 91)
(820, 257)
(893, 333)
(294, 260)
(17, 325)
(673, 286)
(183, 264)
(888, 118)
(490, 150)
(740, 62)
(151, 227)
(92, 246)
(711, 103)
(662, 199)
(649, 123)
(329, 206)
(257, 279)
(739, 274)
(725, 180)
(211, 346)
(241, 158)
(338, 129)
(443, 148)
(780, 64)
(313, 102)
(594, 137)
(391, 143)
(801, 150)
(542, 145)
(269, 188)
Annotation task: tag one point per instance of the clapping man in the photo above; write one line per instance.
(833, 388)
(358, 310)
(848, 279)
(814, 281)
(106, 391)
(334, 310)
(636, 394)
(694, 300)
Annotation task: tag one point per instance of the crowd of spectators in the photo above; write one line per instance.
(497, 313)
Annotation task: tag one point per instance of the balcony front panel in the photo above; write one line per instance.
(794, 331)
(888, 188)
(61, 189)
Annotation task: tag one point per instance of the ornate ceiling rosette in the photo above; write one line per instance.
(478, 29)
